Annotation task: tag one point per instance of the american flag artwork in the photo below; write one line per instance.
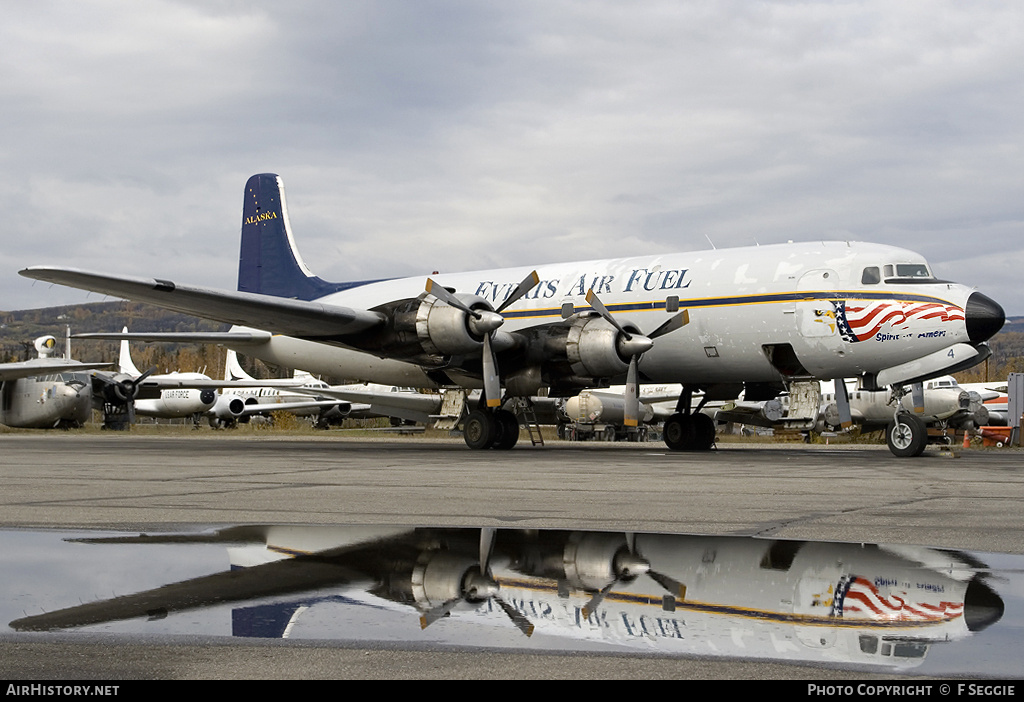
(860, 320)
(860, 598)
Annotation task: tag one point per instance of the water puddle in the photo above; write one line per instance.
(874, 607)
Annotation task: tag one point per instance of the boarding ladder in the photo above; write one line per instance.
(528, 419)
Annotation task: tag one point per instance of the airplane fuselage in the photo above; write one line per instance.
(757, 314)
(46, 401)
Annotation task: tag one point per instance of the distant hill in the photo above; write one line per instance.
(20, 328)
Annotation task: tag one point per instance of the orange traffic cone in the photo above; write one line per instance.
(967, 439)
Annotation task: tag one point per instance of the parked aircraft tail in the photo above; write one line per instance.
(269, 262)
(127, 366)
(233, 369)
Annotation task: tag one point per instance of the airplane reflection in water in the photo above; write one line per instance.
(826, 603)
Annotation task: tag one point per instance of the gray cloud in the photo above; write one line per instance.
(416, 136)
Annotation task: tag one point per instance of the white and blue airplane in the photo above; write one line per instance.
(761, 318)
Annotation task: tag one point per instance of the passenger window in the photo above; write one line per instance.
(871, 276)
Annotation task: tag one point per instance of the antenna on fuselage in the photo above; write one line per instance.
(711, 242)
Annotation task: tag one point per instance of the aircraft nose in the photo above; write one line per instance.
(982, 606)
(984, 317)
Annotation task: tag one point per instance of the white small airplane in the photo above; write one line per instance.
(249, 396)
(169, 395)
(47, 391)
(225, 402)
(767, 317)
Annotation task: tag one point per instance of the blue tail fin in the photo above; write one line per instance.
(269, 262)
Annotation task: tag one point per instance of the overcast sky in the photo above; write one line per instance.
(424, 135)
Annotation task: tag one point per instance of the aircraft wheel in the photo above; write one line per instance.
(508, 430)
(704, 432)
(906, 435)
(480, 429)
(679, 432)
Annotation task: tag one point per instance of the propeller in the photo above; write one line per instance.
(917, 392)
(126, 389)
(479, 585)
(484, 323)
(629, 564)
(635, 345)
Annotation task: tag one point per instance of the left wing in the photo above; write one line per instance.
(309, 320)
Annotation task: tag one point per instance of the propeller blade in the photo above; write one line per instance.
(843, 404)
(440, 612)
(918, 392)
(596, 303)
(632, 396)
(492, 383)
(591, 606)
(529, 282)
(518, 619)
(486, 545)
(442, 294)
(671, 585)
(677, 322)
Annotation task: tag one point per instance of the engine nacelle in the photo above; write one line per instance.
(440, 576)
(446, 330)
(589, 558)
(228, 407)
(592, 348)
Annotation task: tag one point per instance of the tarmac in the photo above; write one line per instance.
(963, 499)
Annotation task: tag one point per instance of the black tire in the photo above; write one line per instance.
(704, 432)
(906, 436)
(479, 430)
(508, 430)
(679, 432)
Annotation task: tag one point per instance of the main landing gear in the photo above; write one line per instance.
(688, 430)
(486, 428)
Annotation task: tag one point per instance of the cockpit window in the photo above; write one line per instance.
(871, 276)
(912, 270)
(908, 273)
